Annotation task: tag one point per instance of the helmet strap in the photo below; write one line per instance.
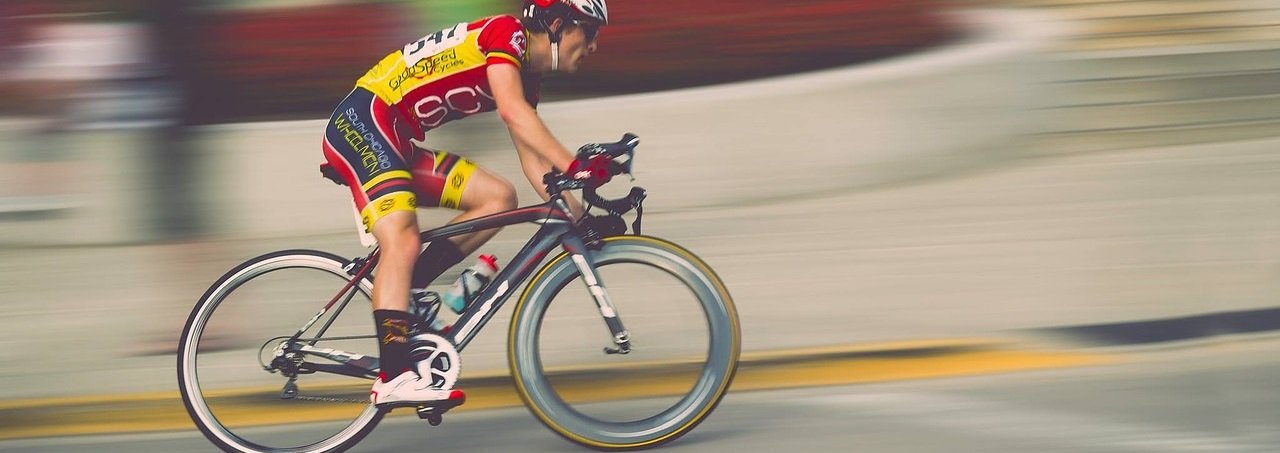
(555, 56)
(554, 37)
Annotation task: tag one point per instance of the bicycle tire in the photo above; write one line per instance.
(712, 381)
(197, 405)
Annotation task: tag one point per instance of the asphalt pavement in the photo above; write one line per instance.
(1201, 399)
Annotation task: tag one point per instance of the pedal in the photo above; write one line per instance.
(434, 412)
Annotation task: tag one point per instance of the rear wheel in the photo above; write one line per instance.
(685, 336)
(238, 372)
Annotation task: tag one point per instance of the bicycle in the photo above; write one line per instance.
(335, 374)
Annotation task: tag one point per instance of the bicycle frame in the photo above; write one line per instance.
(557, 229)
(594, 239)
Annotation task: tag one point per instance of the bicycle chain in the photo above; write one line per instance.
(454, 360)
(326, 399)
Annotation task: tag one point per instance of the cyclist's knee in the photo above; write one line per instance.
(397, 233)
(504, 198)
(492, 194)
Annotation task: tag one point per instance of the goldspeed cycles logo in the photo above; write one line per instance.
(435, 64)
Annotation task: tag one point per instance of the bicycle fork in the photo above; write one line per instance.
(587, 268)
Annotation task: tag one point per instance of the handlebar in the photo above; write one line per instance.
(557, 182)
(615, 150)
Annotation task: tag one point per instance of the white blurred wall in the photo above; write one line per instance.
(936, 111)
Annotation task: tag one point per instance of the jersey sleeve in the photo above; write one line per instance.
(503, 41)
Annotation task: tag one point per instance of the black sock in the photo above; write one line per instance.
(438, 257)
(393, 341)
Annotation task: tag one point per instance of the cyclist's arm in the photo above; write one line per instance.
(539, 151)
(527, 129)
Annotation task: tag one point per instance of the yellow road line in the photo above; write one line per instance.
(747, 357)
(163, 411)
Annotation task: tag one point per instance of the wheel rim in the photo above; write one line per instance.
(221, 420)
(712, 377)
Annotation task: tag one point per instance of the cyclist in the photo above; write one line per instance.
(495, 63)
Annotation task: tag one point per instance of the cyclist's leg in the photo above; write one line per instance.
(362, 146)
(487, 194)
(397, 235)
(447, 180)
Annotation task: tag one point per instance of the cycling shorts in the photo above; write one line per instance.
(367, 144)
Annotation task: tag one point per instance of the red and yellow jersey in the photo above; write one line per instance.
(443, 76)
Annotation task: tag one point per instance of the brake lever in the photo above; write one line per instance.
(625, 163)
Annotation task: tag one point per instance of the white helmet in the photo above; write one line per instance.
(540, 13)
(588, 14)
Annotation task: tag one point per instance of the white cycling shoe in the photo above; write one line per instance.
(409, 389)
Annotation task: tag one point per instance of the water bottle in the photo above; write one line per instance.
(459, 296)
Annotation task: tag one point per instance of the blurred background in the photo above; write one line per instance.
(1096, 178)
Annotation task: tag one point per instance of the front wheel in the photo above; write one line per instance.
(685, 336)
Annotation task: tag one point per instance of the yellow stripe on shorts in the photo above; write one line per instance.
(386, 204)
(394, 174)
(455, 182)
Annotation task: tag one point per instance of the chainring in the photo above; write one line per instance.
(436, 359)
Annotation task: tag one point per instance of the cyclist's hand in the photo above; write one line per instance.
(593, 169)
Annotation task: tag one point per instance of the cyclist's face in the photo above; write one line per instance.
(577, 41)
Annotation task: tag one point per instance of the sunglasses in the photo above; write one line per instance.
(591, 29)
